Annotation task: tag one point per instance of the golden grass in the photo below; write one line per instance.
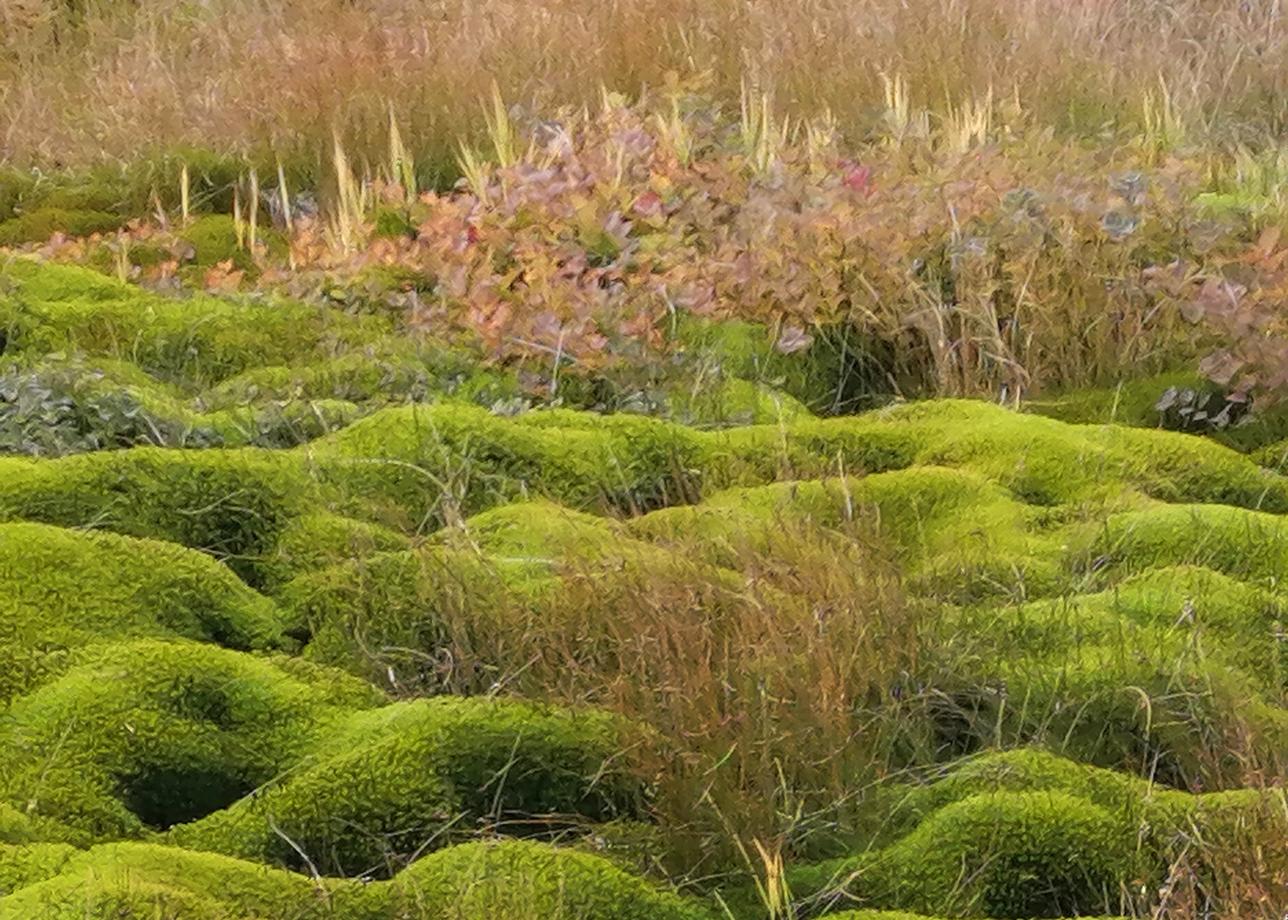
(774, 692)
(116, 78)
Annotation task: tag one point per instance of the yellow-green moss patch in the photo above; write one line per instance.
(63, 589)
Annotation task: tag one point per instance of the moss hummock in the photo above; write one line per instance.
(61, 590)
(405, 778)
(476, 881)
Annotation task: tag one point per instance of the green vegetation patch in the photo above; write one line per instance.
(409, 777)
(230, 504)
(1020, 834)
(194, 342)
(62, 589)
(150, 733)
(475, 881)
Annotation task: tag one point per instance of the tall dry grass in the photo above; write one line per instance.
(768, 695)
(83, 79)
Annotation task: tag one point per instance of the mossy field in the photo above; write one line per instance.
(643, 461)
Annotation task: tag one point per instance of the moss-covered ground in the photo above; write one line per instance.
(304, 618)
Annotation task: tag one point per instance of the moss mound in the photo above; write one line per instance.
(61, 590)
(132, 881)
(151, 733)
(194, 342)
(424, 463)
(1023, 834)
(399, 780)
(230, 504)
(146, 881)
(1003, 854)
(528, 880)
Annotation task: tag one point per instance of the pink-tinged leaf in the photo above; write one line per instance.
(793, 339)
(1192, 311)
(1220, 367)
(648, 205)
(856, 177)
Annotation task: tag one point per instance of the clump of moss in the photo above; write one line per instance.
(385, 616)
(732, 401)
(137, 881)
(544, 534)
(958, 535)
(1024, 833)
(426, 464)
(321, 539)
(1235, 541)
(194, 343)
(30, 862)
(1042, 461)
(527, 880)
(41, 224)
(1000, 854)
(150, 733)
(1121, 678)
(230, 504)
(391, 782)
(359, 377)
(122, 588)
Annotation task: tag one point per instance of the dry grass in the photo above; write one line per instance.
(94, 78)
(773, 693)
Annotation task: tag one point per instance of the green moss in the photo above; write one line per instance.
(354, 377)
(151, 733)
(1123, 678)
(389, 371)
(542, 533)
(731, 401)
(1019, 770)
(41, 224)
(1231, 540)
(29, 863)
(1131, 402)
(320, 539)
(1042, 461)
(123, 588)
(230, 504)
(134, 881)
(958, 535)
(386, 616)
(527, 881)
(1179, 402)
(214, 239)
(502, 573)
(1026, 834)
(396, 780)
(194, 342)
(1001, 854)
(426, 464)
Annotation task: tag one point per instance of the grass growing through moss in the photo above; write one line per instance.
(445, 485)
